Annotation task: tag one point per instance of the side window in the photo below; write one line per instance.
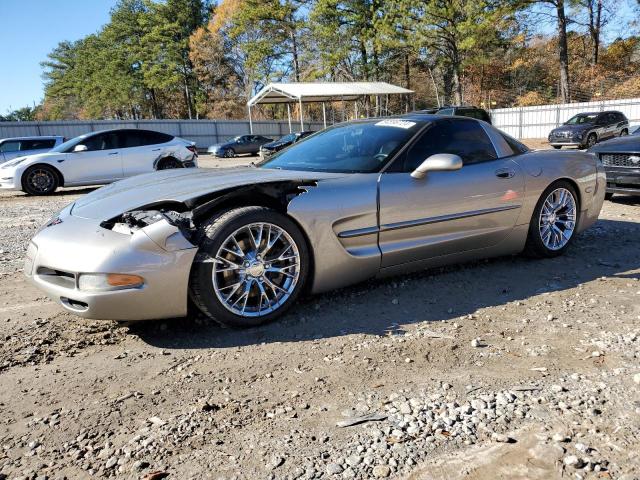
(130, 139)
(515, 145)
(446, 111)
(10, 146)
(611, 118)
(37, 144)
(102, 141)
(154, 138)
(465, 138)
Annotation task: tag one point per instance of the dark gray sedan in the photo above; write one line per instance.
(239, 145)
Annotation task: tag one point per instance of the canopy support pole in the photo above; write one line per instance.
(250, 122)
(355, 102)
(324, 115)
(301, 119)
(289, 117)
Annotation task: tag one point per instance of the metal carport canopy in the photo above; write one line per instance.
(323, 91)
(307, 92)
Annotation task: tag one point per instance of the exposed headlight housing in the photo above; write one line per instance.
(96, 282)
(13, 163)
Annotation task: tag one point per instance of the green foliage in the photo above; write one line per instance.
(189, 58)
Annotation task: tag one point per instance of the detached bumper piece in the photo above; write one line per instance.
(98, 273)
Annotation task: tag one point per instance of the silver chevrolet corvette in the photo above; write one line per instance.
(357, 200)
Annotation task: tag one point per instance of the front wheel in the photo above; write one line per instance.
(557, 147)
(40, 180)
(251, 266)
(592, 139)
(229, 153)
(554, 221)
(608, 196)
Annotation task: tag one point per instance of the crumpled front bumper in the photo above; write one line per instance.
(60, 253)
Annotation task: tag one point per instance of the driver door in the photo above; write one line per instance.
(451, 211)
(100, 163)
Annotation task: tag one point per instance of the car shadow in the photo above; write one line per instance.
(59, 193)
(631, 200)
(384, 307)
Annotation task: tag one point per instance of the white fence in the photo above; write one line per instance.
(538, 121)
(203, 132)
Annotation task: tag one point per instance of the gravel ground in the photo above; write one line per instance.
(509, 368)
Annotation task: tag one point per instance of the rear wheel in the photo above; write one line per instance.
(554, 221)
(557, 147)
(624, 132)
(168, 163)
(592, 139)
(40, 180)
(608, 196)
(251, 266)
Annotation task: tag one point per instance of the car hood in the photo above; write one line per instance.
(178, 185)
(573, 128)
(30, 159)
(619, 144)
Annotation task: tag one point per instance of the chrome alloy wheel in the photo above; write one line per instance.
(557, 219)
(40, 180)
(256, 269)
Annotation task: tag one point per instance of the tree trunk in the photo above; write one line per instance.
(563, 52)
(595, 25)
(294, 52)
(407, 79)
(365, 60)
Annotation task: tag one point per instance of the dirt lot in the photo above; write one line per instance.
(509, 368)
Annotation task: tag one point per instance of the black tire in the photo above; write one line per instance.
(608, 196)
(592, 139)
(557, 147)
(229, 153)
(210, 238)
(534, 246)
(40, 180)
(624, 132)
(168, 164)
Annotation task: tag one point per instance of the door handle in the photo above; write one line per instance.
(505, 173)
(156, 149)
(114, 153)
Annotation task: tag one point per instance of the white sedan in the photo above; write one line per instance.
(97, 158)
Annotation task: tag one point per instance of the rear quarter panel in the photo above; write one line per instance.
(584, 170)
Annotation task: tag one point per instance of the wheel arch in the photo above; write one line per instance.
(159, 160)
(276, 196)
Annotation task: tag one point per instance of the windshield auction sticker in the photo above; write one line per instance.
(396, 123)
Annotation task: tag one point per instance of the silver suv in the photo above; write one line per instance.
(14, 147)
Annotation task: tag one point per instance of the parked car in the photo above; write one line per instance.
(237, 145)
(97, 158)
(270, 148)
(357, 200)
(461, 111)
(621, 160)
(14, 147)
(584, 130)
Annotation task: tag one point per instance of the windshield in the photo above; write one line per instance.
(582, 118)
(350, 148)
(69, 144)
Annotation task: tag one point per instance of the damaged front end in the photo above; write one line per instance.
(168, 229)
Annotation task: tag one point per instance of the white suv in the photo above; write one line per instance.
(97, 158)
(14, 147)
